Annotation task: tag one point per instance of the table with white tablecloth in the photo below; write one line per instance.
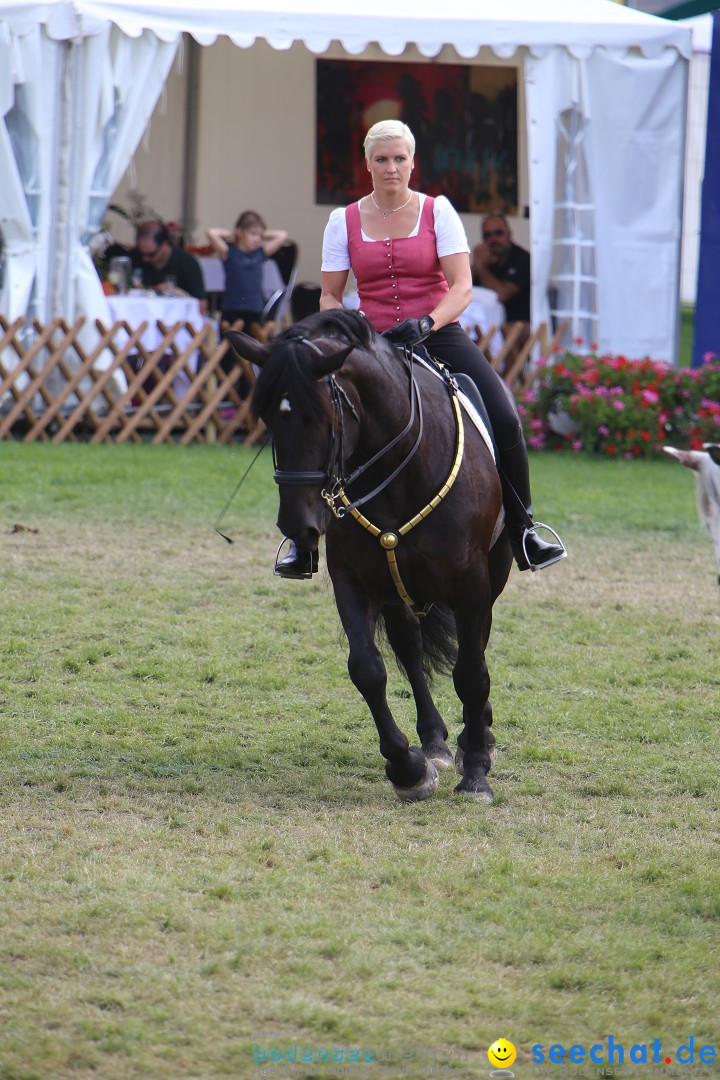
(135, 309)
(484, 311)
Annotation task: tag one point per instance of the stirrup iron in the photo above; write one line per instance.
(550, 562)
(278, 573)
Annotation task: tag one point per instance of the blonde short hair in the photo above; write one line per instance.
(388, 129)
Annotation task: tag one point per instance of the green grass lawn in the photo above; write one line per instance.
(200, 850)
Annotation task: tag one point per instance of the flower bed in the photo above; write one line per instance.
(620, 407)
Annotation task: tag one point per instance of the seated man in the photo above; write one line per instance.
(504, 267)
(167, 268)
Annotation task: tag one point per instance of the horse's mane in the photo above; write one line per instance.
(289, 368)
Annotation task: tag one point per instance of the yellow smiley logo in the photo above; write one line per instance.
(502, 1053)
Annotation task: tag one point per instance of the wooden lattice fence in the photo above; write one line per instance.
(55, 389)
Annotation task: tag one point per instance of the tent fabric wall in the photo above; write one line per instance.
(27, 113)
(567, 49)
(74, 161)
(119, 80)
(636, 156)
(635, 145)
(550, 88)
(578, 27)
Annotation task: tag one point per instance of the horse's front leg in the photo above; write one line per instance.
(476, 743)
(405, 637)
(411, 774)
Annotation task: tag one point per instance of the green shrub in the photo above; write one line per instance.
(620, 407)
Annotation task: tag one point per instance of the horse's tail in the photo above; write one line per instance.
(439, 641)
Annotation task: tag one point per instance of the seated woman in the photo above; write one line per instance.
(410, 257)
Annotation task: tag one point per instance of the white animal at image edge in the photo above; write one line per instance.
(706, 463)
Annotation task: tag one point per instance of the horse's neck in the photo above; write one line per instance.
(385, 396)
(384, 393)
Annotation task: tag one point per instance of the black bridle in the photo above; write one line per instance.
(333, 475)
(337, 440)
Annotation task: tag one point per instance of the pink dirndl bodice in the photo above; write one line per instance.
(396, 279)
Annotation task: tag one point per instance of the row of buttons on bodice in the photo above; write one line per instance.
(393, 278)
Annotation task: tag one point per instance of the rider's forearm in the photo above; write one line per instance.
(452, 305)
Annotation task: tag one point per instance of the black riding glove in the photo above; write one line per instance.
(410, 332)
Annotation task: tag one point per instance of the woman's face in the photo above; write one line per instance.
(390, 166)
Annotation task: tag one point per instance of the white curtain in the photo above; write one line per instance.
(574, 294)
(550, 84)
(72, 113)
(27, 115)
(630, 113)
(118, 81)
(637, 142)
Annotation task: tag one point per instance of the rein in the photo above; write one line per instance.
(337, 493)
(333, 474)
(390, 539)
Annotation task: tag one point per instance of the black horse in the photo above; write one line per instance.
(374, 451)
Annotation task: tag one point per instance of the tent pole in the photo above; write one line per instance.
(676, 332)
(192, 132)
(58, 255)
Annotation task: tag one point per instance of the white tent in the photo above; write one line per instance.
(605, 102)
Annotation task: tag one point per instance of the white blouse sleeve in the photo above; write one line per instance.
(335, 250)
(449, 229)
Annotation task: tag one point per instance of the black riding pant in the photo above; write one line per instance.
(460, 353)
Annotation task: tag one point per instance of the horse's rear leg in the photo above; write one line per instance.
(476, 743)
(405, 637)
(411, 774)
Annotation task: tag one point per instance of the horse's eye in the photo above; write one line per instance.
(285, 405)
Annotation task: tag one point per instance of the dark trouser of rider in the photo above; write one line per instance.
(459, 353)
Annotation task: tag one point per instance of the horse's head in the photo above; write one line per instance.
(299, 402)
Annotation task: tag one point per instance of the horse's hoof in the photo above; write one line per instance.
(424, 788)
(479, 790)
(459, 768)
(439, 754)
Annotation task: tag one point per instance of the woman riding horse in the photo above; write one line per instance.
(409, 255)
(375, 450)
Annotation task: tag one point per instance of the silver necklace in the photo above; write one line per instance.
(387, 213)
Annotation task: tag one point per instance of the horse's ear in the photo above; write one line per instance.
(333, 357)
(249, 348)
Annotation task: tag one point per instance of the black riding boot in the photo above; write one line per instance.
(531, 553)
(297, 564)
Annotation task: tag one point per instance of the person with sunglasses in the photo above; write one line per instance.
(166, 268)
(503, 266)
(410, 257)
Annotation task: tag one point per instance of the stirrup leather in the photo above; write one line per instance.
(541, 566)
